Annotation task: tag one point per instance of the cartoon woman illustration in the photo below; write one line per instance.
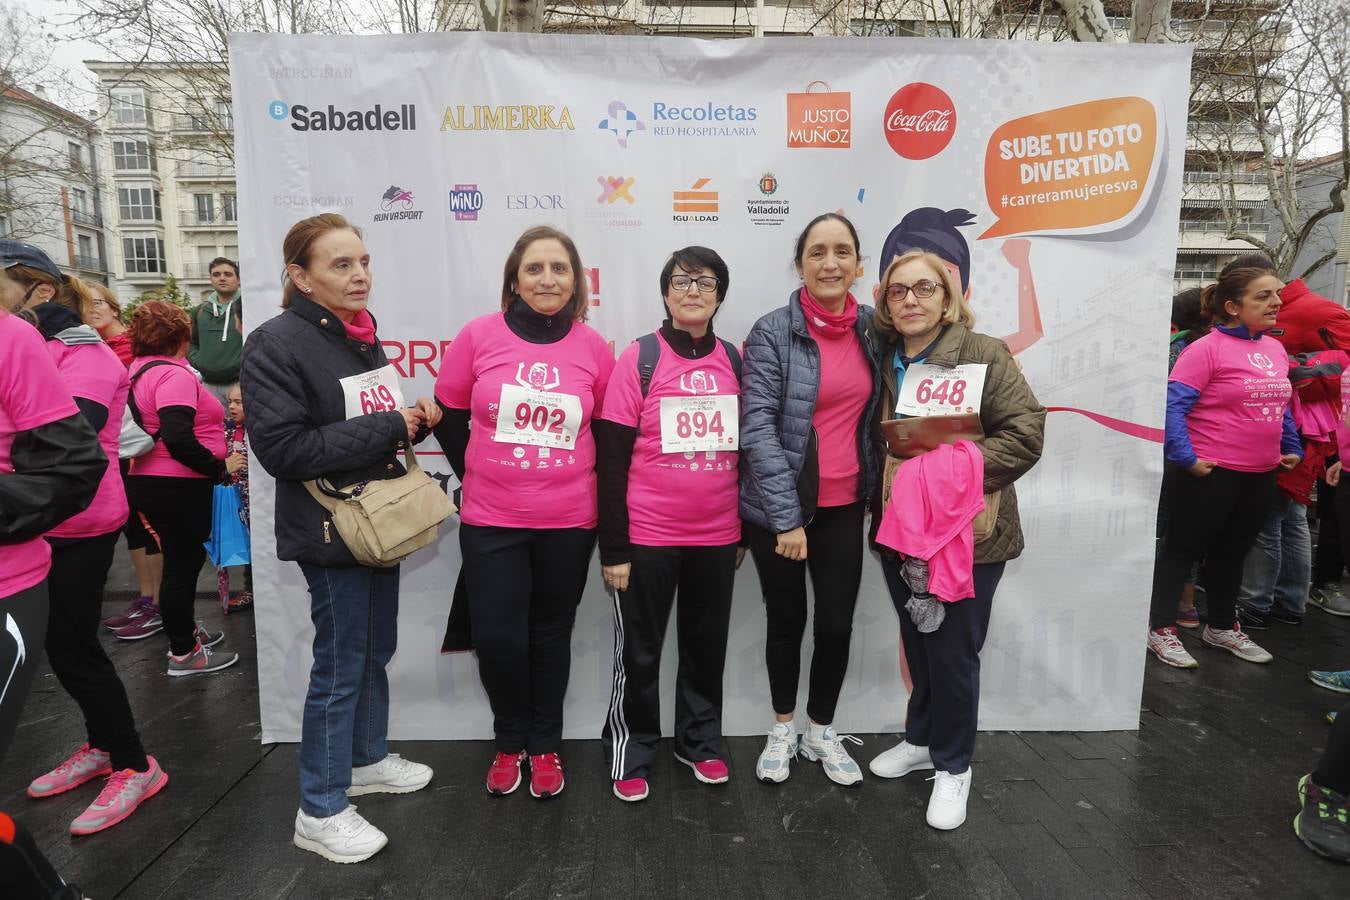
(935, 230)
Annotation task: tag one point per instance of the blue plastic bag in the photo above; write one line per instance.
(229, 543)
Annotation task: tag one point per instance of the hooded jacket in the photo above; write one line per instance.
(1309, 322)
(216, 343)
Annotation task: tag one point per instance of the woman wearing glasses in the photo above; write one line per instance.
(670, 429)
(809, 391)
(922, 318)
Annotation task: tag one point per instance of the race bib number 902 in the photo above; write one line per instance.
(372, 392)
(937, 391)
(538, 418)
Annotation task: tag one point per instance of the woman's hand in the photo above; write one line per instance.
(1201, 468)
(1289, 461)
(414, 418)
(428, 408)
(1334, 473)
(616, 577)
(792, 545)
(234, 462)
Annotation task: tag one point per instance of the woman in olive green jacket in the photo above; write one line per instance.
(922, 318)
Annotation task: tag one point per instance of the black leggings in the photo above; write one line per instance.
(23, 626)
(1216, 518)
(1334, 769)
(834, 553)
(179, 511)
(79, 571)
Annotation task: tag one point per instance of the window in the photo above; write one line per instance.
(143, 255)
(133, 156)
(231, 252)
(127, 106)
(76, 153)
(138, 204)
(86, 246)
(4, 226)
(79, 200)
(224, 116)
(229, 207)
(206, 208)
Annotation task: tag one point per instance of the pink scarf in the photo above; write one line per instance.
(832, 324)
(361, 328)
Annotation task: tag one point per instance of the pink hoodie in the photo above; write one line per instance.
(934, 501)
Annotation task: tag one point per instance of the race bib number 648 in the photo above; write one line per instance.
(938, 391)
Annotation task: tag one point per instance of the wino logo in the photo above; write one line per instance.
(613, 189)
(465, 202)
(696, 204)
(622, 121)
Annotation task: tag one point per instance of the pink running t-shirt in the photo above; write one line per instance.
(841, 398)
(683, 499)
(175, 385)
(1244, 387)
(535, 467)
(31, 395)
(94, 372)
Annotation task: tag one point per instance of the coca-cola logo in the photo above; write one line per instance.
(920, 121)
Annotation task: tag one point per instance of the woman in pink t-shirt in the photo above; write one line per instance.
(530, 379)
(808, 394)
(172, 484)
(82, 550)
(1229, 428)
(670, 429)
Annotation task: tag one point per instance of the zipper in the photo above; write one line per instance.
(327, 537)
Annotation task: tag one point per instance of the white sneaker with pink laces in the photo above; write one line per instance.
(1236, 642)
(1168, 647)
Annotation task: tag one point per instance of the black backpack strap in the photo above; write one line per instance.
(734, 355)
(131, 394)
(649, 352)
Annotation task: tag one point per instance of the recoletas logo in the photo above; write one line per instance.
(330, 118)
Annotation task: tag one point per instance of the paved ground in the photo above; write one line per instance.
(1197, 803)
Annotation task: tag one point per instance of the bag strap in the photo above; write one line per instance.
(649, 353)
(131, 395)
(734, 355)
(329, 497)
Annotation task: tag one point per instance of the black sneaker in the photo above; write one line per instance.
(1252, 620)
(1324, 823)
(1285, 616)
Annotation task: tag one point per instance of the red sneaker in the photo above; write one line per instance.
(708, 771)
(631, 790)
(503, 776)
(546, 776)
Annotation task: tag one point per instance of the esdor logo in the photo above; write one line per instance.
(920, 121)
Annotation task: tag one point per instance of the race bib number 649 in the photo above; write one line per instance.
(371, 392)
(938, 391)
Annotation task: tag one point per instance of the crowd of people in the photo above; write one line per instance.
(782, 449)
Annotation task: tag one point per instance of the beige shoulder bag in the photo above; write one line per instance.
(384, 522)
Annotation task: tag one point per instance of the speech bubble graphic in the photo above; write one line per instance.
(1080, 169)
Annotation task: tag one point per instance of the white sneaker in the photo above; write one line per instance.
(344, 838)
(1168, 647)
(391, 775)
(900, 760)
(947, 803)
(1236, 642)
(776, 761)
(829, 751)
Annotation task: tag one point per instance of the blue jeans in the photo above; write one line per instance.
(1278, 568)
(355, 614)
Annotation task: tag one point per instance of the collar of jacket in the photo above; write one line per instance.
(536, 327)
(683, 343)
(321, 317)
(214, 299)
(1240, 332)
(797, 318)
(60, 323)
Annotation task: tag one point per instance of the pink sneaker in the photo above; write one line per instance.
(631, 790)
(85, 764)
(546, 776)
(119, 798)
(139, 608)
(142, 626)
(708, 771)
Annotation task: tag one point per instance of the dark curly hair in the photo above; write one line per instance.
(159, 329)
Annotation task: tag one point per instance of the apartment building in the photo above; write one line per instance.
(168, 173)
(50, 194)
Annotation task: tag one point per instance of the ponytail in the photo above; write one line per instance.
(75, 294)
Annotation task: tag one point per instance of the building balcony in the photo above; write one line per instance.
(1230, 140)
(202, 123)
(191, 218)
(90, 264)
(199, 171)
(1212, 190)
(80, 217)
(195, 271)
(1210, 237)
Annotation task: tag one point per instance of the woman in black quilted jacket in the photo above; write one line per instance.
(322, 401)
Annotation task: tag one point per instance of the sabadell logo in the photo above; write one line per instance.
(330, 118)
(920, 121)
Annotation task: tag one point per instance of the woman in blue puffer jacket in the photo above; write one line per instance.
(809, 390)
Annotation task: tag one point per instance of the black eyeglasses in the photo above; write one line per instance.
(706, 283)
(921, 289)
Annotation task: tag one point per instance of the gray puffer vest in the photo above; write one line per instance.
(781, 374)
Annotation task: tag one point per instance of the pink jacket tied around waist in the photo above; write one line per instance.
(934, 502)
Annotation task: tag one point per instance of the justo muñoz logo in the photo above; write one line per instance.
(920, 121)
